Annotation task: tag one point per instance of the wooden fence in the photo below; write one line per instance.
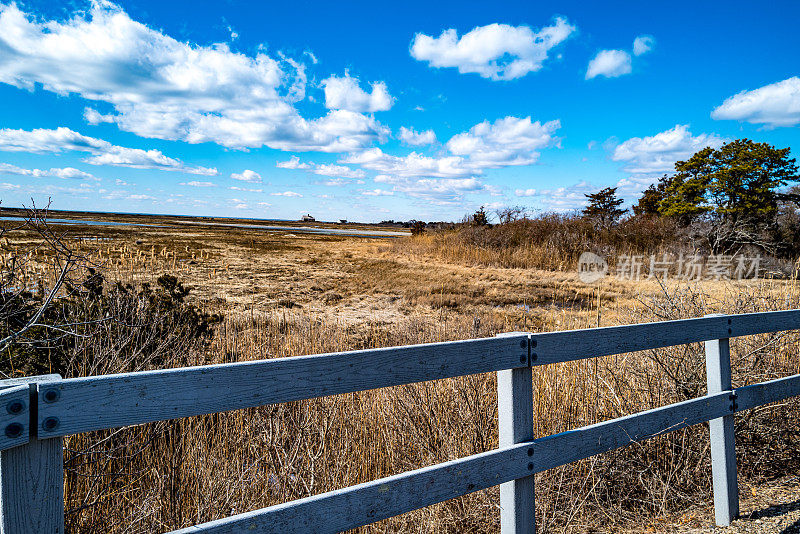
(36, 412)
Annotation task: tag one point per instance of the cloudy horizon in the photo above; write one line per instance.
(257, 111)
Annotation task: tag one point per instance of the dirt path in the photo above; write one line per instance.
(770, 508)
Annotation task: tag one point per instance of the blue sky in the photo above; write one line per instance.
(372, 111)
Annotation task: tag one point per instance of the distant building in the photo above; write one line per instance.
(342, 221)
(307, 218)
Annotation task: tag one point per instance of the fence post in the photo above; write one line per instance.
(723, 443)
(515, 422)
(32, 477)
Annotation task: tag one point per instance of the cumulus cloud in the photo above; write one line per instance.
(505, 142)
(509, 141)
(324, 169)
(609, 63)
(338, 171)
(657, 154)
(495, 51)
(247, 176)
(64, 172)
(345, 93)
(643, 44)
(411, 137)
(286, 194)
(774, 105)
(293, 163)
(159, 87)
(55, 141)
(247, 189)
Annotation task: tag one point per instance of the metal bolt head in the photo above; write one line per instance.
(15, 407)
(533, 342)
(51, 395)
(523, 344)
(530, 451)
(50, 424)
(530, 467)
(14, 430)
(522, 359)
(534, 356)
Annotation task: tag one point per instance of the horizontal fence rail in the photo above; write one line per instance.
(43, 409)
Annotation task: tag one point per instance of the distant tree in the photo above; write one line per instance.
(479, 218)
(737, 183)
(417, 228)
(511, 214)
(604, 207)
(649, 203)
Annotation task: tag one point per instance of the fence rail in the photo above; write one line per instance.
(36, 412)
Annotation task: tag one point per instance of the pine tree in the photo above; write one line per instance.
(604, 207)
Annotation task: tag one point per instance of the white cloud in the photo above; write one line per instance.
(411, 137)
(41, 141)
(64, 173)
(293, 163)
(646, 158)
(526, 192)
(345, 93)
(199, 184)
(247, 176)
(324, 169)
(340, 171)
(776, 104)
(378, 193)
(609, 63)
(412, 165)
(495, 51)
(443, 191)
(505, 142)
(286, 194)
(163, 88)
(643, 44)
(509, 141)
(247, 189)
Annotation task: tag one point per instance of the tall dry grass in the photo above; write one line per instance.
(166, 475)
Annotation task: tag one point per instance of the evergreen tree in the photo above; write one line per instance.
(604, 207)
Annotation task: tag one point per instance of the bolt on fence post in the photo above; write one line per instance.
(32, 477)
(515, 422)
(723, 443)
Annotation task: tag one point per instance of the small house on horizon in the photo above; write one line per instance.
(307, 218)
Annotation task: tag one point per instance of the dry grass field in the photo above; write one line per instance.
(284, 293)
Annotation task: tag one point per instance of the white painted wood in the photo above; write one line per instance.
(767, 392)
(568, 345)
(112, 401)
(15, 417)
(573, 445)
(515, 425)
(32, 480)
(723, 443)
(366, 503)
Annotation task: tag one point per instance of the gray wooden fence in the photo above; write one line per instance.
(36, 412)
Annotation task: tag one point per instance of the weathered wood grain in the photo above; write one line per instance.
(721, 431)
(573, 445)
(111, 401)
(515, 425)
(748, 397)
(347, 508)
(32, 479)
(15, 416)
(554, 347)
(366, 503)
